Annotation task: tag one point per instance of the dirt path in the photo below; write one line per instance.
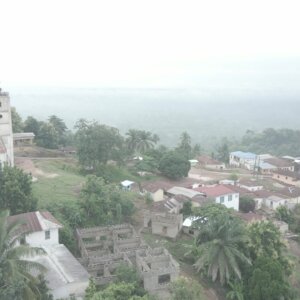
(27, 165)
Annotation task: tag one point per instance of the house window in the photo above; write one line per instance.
(1, 116)
(222, 199)
(47, 234)
(229, 197)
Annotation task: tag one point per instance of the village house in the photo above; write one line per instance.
(291, 194)
(265, 168)
(210, 163)
(221, 194)
(240, 159)
(250, 185)
(280, 164)
(23, 139)
(273, 202)
(127, 185)
(287, 177)
(64, 274)
(154, 189)
(181, 195)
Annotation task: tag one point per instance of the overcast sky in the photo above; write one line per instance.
(154, 43)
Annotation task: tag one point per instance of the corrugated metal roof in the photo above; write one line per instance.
(245, 155)
(33, 221)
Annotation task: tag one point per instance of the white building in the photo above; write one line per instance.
(240, 159)
(6, 135)
(65, 275)
(221, 194)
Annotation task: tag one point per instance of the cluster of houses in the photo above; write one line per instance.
(165, 218)
(284, 169)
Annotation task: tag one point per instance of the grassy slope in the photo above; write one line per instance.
(64, 187)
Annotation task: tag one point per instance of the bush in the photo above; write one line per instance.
(247, 204)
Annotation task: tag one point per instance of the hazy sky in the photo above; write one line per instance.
(154, 43)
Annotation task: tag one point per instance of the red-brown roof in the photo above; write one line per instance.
(31, 221)
(215, 191)
(279, 162)
(207, 160)
(241, 191)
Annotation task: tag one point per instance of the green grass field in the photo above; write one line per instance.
(64, 187)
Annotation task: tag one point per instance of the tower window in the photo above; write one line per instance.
(1, 116)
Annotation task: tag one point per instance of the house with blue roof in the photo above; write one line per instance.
(240, 159)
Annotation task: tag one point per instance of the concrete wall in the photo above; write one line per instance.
(286, 179)
(251, 188)
(274, 204)
(230, 200)
(158, 195)
(6, 127)
(37, 239)
(167, 230)
(216, 167)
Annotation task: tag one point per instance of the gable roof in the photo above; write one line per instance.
(35, 221)
(177, 190)
(245, 155)
(279, 162)
(215, 191)
(207, 160)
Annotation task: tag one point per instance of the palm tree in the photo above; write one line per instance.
(140, 141)
(145, 142)
(217, 248)
(132, 140)
(13, 265)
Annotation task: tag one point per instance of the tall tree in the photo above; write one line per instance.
(139, 141)
(17, 123)
(16, 191)
(47, 137)
(184, 146)
(12, 264)
(218, 248)
(223, 151)
(265, 240)
(267, 281)
(174, 165)
(32, 125)
(97, 144)
(58, 124)
(196, 150)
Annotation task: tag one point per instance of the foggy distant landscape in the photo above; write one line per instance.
(206, 114)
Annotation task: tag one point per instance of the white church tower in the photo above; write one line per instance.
(6, 134)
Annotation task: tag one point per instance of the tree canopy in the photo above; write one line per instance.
(174, 165)
(104, 203)
(97, 143)
(16, 191)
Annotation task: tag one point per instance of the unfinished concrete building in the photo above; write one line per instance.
(157, 268)
(103, 249)
(163, 223)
